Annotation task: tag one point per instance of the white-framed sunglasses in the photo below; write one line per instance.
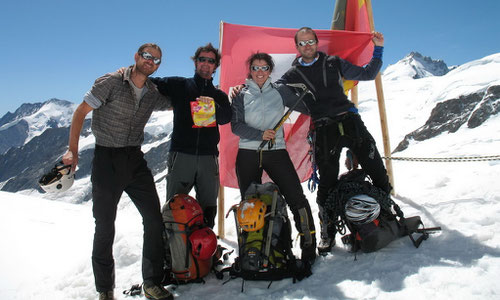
(263, 68)
(308, 42)
(148, 56)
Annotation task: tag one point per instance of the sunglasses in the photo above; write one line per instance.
(148, 56)
(263, 68)
(206, 59)
(308, 42)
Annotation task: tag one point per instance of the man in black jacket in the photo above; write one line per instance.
(337, 123)
(193, 155)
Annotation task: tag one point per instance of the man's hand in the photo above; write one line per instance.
(70, 159)
(378, 38)
(268, 135)
(121, 70)
(235, 90)
(205, 99)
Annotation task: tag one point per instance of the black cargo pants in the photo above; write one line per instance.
(115, 170)
(331, 135)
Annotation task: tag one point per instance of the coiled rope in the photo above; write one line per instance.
(446, 159)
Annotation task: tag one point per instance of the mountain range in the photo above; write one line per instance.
(35, 136)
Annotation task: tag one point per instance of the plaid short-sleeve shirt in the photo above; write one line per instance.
(118, 119)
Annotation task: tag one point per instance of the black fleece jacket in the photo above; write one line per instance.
(181, 91)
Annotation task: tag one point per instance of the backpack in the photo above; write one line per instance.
(266, 253)
(190, 244)
(391, 224)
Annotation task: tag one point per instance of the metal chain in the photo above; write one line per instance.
(446, 159)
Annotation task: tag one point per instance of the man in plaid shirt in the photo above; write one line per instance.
(121, 106)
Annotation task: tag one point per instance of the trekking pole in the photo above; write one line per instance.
(280, 123)
(270, 229)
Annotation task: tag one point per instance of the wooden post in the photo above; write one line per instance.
(220, 213)
(381, 108)
(220, 201)
(354, 95)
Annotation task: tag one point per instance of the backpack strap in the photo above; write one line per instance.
(306, 80)
(414, 226)
(135, 290)
(267, 249)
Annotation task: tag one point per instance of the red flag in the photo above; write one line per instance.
(238, 43)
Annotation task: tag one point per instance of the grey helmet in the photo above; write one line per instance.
(362, 209)
(59, 179)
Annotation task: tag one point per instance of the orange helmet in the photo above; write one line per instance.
(251, 214)
(189, 211)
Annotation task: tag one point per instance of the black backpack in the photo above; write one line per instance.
(389, 226)
(266, 254)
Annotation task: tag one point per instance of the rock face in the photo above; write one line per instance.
(489, 105)
(450, 115)
(13, 136)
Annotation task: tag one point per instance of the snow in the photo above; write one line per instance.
(46, 244)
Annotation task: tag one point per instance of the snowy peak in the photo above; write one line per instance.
(415, 66)
(31, 120)
(25, 109)
(30, 109)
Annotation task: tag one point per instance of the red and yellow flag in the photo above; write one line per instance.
(352, 15)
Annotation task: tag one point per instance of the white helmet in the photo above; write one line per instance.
(362, 209)
(59, 179)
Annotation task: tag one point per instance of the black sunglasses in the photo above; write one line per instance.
(206, 59)
(308, 42)
(148, 56)
(256, 68)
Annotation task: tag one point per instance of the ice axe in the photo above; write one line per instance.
(280, 123)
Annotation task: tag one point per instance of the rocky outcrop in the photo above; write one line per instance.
(450, 115)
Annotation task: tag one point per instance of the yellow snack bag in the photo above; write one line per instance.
(203, 113)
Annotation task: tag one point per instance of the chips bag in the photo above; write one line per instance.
(203, 113)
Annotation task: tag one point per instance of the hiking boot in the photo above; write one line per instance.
(325, 245)
(106, 295)
(156, 291)
(309, 254)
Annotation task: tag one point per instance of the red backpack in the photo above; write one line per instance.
(190, 244)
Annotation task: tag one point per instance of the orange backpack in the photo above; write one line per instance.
(183, 216)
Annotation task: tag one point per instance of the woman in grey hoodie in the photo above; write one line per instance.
(257, 109)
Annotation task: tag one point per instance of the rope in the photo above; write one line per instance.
(446, 159)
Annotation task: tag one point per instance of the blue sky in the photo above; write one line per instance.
(56, 49)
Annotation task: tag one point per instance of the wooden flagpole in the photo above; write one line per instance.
(220, 205)
(220, 213)
(354, 95)
(381, 107)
